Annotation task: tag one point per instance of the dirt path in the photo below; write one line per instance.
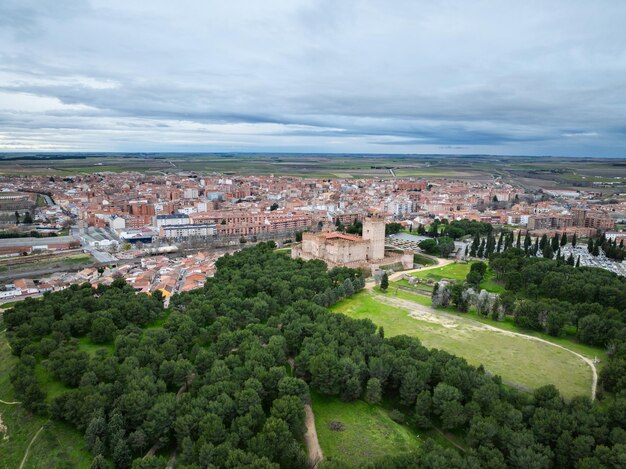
(29, 445)
(310, 438)
(429, 314)
(9, 403)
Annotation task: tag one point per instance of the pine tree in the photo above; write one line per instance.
(373, 391)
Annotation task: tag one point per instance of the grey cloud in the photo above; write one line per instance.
(509, 77)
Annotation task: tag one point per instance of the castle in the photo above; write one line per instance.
(341, 249)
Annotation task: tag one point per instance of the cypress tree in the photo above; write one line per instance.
(384, 282)
(527, 242)
(548, 253)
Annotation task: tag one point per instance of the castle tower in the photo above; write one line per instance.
(374, 232)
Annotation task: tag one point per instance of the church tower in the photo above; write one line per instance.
(374, 232)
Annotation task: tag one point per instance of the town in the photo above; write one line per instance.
(165, 232)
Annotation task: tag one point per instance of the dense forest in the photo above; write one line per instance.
(221, 378)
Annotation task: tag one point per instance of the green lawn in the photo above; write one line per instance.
(57, 446)
(458, 272)
(520, 361)
(82, 259)
(86, 345)
(450, 271)
(368, 431)
(423, 260)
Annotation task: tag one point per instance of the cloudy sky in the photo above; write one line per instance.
(392, 76)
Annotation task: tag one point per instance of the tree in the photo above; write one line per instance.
(274, 206)
(17, 217)
(392, 228)
(384, 282)
(574, 240)
(564, 239)
(423, 405)
(476, 244)
(548, 252)
(28, 219)
(590, 246)
(99, 463)
(373, 391)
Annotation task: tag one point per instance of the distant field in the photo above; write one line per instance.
(523, 362)
(57, 446)
(368, 431)
(534, 172)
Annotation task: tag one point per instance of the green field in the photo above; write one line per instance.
(458, 272)
(423, 260)
(450, 271)
(535, 172)
(368, 431)
(522, 362)
(57, 445)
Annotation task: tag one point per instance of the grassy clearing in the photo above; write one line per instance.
(458, 272)
(568, 341)
(368, 431)
(82, 259)
(50, 385)
(57, 446)
(86, 345)
(393, 292)
(450, 271)
(490, 284)
(419, 259)
(522, 362)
